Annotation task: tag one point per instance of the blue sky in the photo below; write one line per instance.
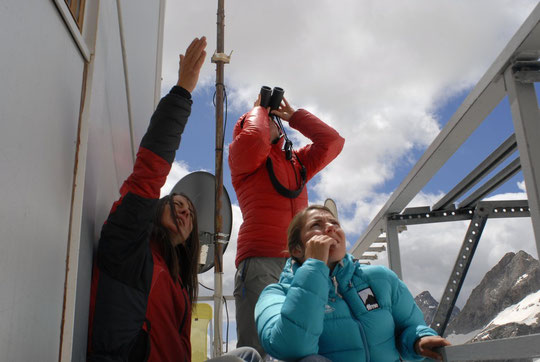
(495, 129)
(387, 76)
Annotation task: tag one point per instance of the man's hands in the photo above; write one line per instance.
(191, 63)
(318, 247)
(258, 101)
(285, 111)
(424, 346)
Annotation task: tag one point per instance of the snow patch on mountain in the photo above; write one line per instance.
(527, 311)
(521, 278)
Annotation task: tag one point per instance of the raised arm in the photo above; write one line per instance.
(159, 144)
(326, 141)
(122, 237)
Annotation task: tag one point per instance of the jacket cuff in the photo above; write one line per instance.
(180, 91)
(298, 113)
(409, 338)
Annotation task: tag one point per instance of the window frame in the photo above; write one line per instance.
(73, 26)
(76, 8)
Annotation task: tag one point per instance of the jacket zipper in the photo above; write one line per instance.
(360, 326)
(363, 333)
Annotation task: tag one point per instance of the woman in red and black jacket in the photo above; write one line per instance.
(145, 274)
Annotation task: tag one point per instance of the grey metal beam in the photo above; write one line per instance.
(377, 249)
(496, 209)
(504, 209)
(526, 117)
(499, 349)
(461, 266)
(492, 184)
(392, 243)
(485, 167)
(485, 96)
(432, 217)
(527, 71)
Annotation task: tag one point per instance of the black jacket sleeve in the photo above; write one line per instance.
(123, 251)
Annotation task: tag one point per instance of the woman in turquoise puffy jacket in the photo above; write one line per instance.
(326, 304)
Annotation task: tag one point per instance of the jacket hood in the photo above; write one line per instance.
(238, 126)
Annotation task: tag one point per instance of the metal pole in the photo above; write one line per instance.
(394, 256)
(461, 266)
(526, 117)
(218, 251)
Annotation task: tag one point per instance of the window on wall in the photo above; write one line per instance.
(76, 7)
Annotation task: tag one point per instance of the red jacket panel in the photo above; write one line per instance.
(169, 310)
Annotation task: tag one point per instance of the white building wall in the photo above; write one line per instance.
(109, 159)
(142, 49)
(41, 72)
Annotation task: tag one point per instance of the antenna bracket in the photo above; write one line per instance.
(221, 57)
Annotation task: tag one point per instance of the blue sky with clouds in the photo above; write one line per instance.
(388, 76)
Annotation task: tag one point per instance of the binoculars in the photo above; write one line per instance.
(271, 98)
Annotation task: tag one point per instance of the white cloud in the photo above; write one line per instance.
(179, 169)
(521, 186)
(376, 71)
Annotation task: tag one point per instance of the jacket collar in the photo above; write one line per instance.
(343, 270)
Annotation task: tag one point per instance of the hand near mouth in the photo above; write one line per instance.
(318, 247)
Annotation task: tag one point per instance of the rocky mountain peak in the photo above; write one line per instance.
(428, 305)
(515, 276)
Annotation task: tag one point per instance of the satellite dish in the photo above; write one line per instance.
(200, 187)
(331, 205)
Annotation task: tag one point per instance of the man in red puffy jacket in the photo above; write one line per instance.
(270, 186)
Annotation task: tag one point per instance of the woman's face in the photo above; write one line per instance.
(321, 222)
(184, 217)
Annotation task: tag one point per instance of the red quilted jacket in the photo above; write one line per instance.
(266, 213)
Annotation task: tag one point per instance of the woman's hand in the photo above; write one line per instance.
(285, 111)
(425, 346)
(191, 63)
(318, 247)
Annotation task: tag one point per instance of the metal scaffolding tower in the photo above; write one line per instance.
(512, 74)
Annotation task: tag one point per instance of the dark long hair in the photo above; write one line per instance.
(182, 260)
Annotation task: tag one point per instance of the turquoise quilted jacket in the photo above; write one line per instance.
(358, 313)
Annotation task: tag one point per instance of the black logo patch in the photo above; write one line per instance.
(368, 297)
